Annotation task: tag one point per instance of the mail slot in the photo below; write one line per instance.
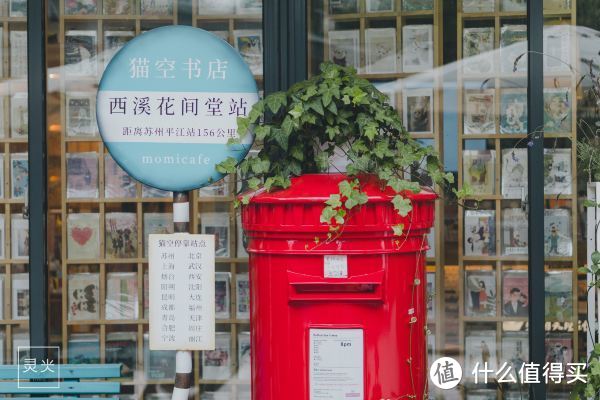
(342, 318)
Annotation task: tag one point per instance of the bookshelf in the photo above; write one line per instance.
(396, 82)
(502, 266)
(67, 138)
(14, 324)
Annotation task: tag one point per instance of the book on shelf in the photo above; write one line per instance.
(83, 236)
(430, 276)
(81, 114)
(150, 192)
(513, 111)
(84, 296)
(83, 348)
(244, 361)
(557, 49)
(242, 296)
(121, 295)
(146, 294)
(479, 171)
(216, 364)
(217, 189)
(480, 347)
(344, 48)
(480, 232)
(480, 112)
(382, 5)
(557, 5)
(216, 7)
(513, 46)
(515, 349)
(217, 223)
(18, 53)
(430, 253)
(156, 223)
(515, 232)
(4, 125)
(248, 7)
(343, 6)
(113, 42)
(559, 348)
(116, 7)
(2, 237)
(158, 364)
(121, 235)
(559, 295)
(19, 175)
(17, 8)
(222, 297)
(249, 43)
(557, 110)
(558, 237)
(157, 7)
(380, 49)
(417, 110)
(514, 173)
(80, 53)
(20, 296)
(82, 175)
(242, 240)
(20, 347)
(80, 7)
(2, 283)
(480, 293)
(513, 5)
(477, 6)
(557, 172)
(417, 48)
(121, 348)
(417, 5)
(515, 293)
(19, 237)
(478, 51)
(19, 115)
(118, 184)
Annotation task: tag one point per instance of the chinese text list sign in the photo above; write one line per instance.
(182, 288)
(168, 104)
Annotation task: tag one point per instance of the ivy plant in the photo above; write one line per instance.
(299, 130)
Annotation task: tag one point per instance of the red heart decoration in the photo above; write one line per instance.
(81, 235)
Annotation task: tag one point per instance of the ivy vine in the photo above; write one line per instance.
(299, 130)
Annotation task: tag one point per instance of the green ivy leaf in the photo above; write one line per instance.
(596, 257)
(227, 166)
(398, 229)
(402, 205)
(334, 201)
(253, 183)
(276, 101)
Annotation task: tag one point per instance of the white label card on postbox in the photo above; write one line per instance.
(336, 364)
(335, 266)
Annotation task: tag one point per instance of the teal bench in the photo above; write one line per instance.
(75, 379)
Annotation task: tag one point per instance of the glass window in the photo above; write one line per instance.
(457, 75)
(100, 217)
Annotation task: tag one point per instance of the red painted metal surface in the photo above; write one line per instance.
(384, 293)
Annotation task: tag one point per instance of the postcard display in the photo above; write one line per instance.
(14, 228)
(492, 148)
(388, 41)
(106, 215)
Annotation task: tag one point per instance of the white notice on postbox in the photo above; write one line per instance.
(336, 358)
(182, 291)
(335, 266)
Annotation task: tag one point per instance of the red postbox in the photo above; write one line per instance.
(339, 319)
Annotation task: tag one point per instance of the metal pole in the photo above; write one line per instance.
(183, 361)
(535, 92)
(36, 202)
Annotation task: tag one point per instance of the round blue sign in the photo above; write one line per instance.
(168, 104)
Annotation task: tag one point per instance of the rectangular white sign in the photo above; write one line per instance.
(336, 358)
(335, 266)
(182, 292)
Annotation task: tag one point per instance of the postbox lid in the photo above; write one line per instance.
(311, 188)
